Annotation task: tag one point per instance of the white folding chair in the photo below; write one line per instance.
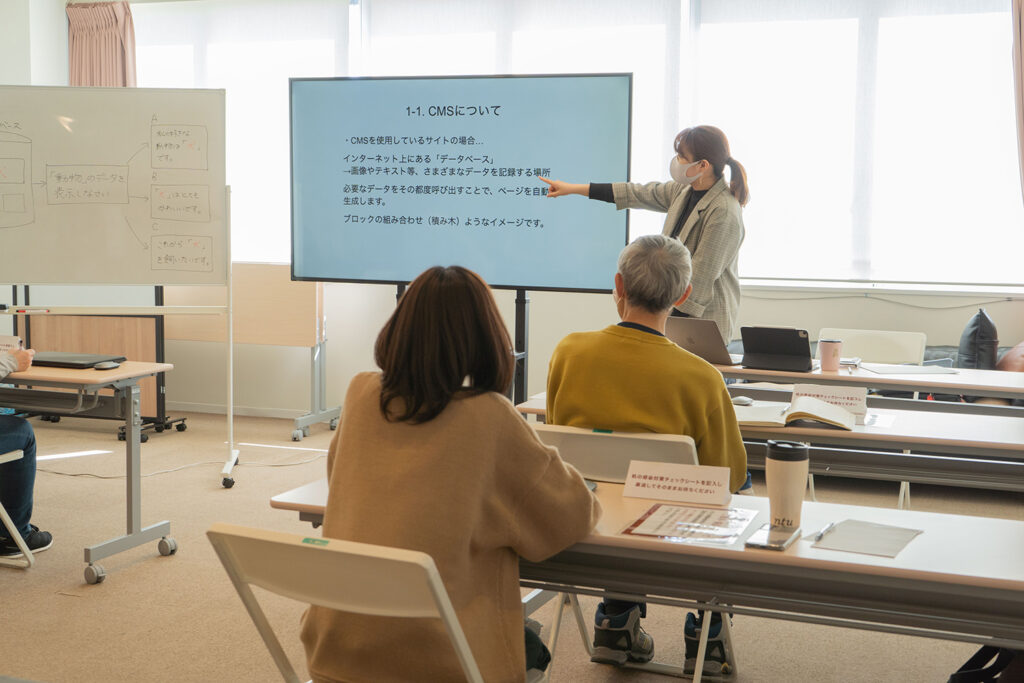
(379, 580)
(605, 456)
(27, 559)
(880, 346)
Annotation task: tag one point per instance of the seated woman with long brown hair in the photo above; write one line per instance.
(431, 456)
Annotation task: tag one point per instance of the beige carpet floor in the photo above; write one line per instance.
(178, 619)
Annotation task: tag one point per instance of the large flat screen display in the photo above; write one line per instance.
(393, 175)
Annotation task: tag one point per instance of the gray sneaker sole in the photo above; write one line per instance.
(609, 655)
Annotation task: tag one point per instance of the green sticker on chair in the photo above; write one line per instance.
(315, 541)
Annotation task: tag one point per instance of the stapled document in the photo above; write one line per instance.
(884, 369)
(716, 526)
(867, 538)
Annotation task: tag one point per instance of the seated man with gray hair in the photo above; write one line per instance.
(630, 378)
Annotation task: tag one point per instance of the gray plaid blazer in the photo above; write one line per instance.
(713, 233)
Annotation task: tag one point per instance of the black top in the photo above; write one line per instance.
(691, 201)
(642, 328)
(602, 192)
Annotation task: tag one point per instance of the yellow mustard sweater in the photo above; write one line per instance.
(629, 380)
(475, 489)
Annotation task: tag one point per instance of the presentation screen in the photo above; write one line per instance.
(393, 175)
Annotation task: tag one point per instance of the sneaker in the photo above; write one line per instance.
(715, 661)
(620, 638)
(37, 541)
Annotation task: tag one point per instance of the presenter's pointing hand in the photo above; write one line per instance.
(558, 188)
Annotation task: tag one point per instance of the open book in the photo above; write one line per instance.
(764, 414)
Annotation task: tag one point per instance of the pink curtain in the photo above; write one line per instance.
(101, 44)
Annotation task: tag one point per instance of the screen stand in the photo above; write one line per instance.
(522, 336)
(517, 392)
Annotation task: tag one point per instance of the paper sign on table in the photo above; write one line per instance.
(9, 343)
(701, 484)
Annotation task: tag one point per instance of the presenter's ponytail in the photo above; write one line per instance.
(708, 142)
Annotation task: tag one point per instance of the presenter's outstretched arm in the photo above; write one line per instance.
(559, 188)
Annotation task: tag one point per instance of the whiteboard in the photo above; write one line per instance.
(112, 186)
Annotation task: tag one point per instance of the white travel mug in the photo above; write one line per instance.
(785, 470)
(829, 350)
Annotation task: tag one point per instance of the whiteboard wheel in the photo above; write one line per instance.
(94, 574)
(333, 424)
(297, 435)
(167, 546)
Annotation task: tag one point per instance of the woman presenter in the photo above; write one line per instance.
(701, 210)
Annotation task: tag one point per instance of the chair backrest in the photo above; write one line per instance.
(605, 456)
(340, 575)
(878, 346)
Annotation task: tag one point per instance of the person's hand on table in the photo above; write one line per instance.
(24, 357)
(560, 188)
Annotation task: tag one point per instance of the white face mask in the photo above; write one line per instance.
(678, 171)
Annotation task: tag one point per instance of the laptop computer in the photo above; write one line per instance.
(63, 359)
(701, 338)
(777, 348)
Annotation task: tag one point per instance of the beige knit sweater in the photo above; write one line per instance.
(474, 488)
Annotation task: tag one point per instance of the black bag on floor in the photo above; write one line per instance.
(984, 666)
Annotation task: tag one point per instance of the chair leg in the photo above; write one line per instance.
(698, 667)
(810, 487)
(730, 653)
(581, 624)
(556, 627)
(27, 559)
(904, 501)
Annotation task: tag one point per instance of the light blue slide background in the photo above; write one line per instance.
(575, 126)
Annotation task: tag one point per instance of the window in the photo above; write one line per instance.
(879, 137)
(250, 49)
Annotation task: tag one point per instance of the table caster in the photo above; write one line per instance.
(121, 436)
(333, 424)
(167, 546)
(227, 482)
(297, 435)
(94, 574)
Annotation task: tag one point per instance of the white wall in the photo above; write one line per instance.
(15, 57)
(274, 381)
(48, 43)
(33, 42)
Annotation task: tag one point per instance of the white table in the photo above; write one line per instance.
(962, 579)
(86, 400)
(989, 383)
(952, 449)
